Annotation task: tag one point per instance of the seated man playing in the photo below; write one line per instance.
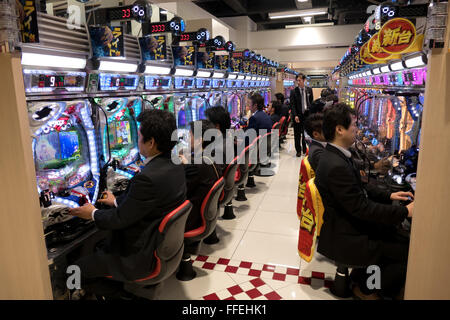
(275, 112)
(259, 119)
(220, 118)
(135, 216)
(359, 226)
(313, 127)
(200, 177)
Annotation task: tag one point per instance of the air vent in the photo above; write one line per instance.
(131, 48)
(55, 36)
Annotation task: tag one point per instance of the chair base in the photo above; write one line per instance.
(241, 194)
(341, 285)
(212, 238)
(267, 173)
(251, 182)
(228, 213)
(186, 271)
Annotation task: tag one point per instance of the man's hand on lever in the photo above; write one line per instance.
(84, 212)
(107, 198)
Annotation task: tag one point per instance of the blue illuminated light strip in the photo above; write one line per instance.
(125, 174)
(68, 203)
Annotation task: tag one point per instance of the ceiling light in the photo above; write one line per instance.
(157, 70)
(298, 13)
(47, 60)
(325, 24)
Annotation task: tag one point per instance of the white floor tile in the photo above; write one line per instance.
(276, 285)
(305, 292)
(243, 218)
(275, 222)
(229, 240)
(279, 203)
(239, 278)
(206, 282)
(268, 248)
(319, 264)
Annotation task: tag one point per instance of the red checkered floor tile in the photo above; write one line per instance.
(257, 289)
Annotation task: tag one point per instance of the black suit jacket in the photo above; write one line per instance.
(356, 220)
(154, 192)
(296, 101)
(199, 180)
(315, 152)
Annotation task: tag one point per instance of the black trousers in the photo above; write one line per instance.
(93, 277)
(299, 136)
(392, 260)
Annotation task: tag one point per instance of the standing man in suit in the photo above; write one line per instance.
(135, 216)
(360, 221)
(301, 99)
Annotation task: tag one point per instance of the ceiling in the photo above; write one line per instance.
(340, 11)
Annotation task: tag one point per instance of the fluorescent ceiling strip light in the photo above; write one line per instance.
(298, 13)
(117, 66)
(157, 70)
(47, 60)
(325, 24)
(184, 72)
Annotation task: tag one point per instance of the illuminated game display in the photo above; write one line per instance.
(66, 160)
(200, 104)
(119, 139)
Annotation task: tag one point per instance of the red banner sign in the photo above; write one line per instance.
(397, 35)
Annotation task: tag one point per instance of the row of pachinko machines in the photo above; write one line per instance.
(82, 147)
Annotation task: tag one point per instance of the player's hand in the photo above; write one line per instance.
(183, 159)
(297, 119)
(84, 212)
(401, 196)
(410, 208)
(107, 198)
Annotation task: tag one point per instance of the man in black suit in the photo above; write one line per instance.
(259, 119)
(284, 107)
(313, 127)
(301, 99)
(360, 222)
(135, 216)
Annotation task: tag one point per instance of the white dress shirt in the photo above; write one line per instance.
(146, 161)
(346, 152)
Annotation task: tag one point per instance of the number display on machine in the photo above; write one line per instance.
(152, 82)
(43, 81)
(118, 82)
(203, 83)
(184, 83)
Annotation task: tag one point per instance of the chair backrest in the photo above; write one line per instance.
(209, 212)
(276, 125)
(286, 126)
(265, 141)
(169, 252)
(307, 151)
(229, 177)
(243, 164)
(306, 173)
(311, 221)
(253, 155)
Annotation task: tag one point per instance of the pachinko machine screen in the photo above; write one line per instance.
(65, 153)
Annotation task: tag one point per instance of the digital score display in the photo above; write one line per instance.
(110, 82)
(176, 26)
(201, 36)
(43, 81)
(231, 84)
(218, 83)
(184, 83)
(154, 83)
(203, 83)
(136, 12)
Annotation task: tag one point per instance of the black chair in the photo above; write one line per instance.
(229, 189)
(242, 173)
(168, 254)
(209, 212)
(264, 159)
(253, 163)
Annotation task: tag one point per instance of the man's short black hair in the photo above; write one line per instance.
(332, 97)
(325, 93)
(337, 115)
(258, 100)
(204, 125)
(219, 116)
(314, 123)
(158, 124)
(300, 75)
(280, 97)
(276, 105)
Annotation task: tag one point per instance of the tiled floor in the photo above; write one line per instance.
(257, 257)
